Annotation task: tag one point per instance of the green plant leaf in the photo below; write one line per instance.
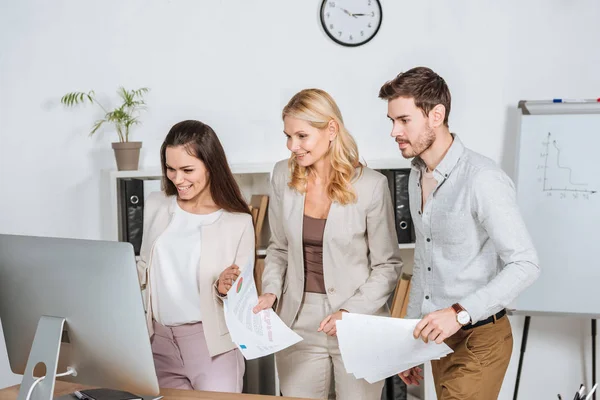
(74, 98)
(97, 126)
(122, 117)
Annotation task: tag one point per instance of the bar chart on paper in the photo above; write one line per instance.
(558, 191)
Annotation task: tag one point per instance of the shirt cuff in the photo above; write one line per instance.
(474, 306)
(273, 290)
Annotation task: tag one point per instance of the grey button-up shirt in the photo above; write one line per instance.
(472, 246)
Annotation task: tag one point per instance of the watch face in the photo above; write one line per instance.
(463, 317)
(351, 22)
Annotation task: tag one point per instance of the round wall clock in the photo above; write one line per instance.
(351, 22)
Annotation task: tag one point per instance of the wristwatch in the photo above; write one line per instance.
(462, 316)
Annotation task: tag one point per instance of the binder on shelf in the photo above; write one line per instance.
(258, 207)
(400, 299)
(398, 184)
(405, 304)
(132, 212)
(259, 267)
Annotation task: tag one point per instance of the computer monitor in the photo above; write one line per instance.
(94, 286)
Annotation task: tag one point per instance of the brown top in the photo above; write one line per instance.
(312, 244)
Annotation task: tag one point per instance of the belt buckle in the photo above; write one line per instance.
(495, 318)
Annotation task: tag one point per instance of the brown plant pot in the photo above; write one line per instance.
(127, 155)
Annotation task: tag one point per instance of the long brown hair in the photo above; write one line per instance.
(201, 141)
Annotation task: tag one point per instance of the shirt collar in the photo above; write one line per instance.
(447, 164)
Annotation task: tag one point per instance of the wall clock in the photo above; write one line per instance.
(351, 22)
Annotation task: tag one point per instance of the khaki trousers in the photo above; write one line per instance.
(305, 369)
(476, 369)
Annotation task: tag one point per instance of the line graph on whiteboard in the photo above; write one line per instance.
(559, 178)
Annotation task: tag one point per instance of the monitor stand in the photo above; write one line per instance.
(45, 350)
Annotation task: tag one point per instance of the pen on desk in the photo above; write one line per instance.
(578, 393)
(589, 395)
(581, 390)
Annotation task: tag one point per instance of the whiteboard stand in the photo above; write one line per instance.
(524, 345)
(545, 129)
(521, 354)
(594, 356)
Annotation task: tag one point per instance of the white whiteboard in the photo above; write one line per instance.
(558, 191)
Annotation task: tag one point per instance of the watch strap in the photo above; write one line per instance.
(457, 308)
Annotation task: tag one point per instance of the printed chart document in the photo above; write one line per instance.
(256, 335)
(375, 348)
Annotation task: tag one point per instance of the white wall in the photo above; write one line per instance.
(234, 64)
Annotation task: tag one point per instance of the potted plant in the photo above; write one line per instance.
(123, 117)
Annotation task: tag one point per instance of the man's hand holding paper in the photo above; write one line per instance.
(375, 348)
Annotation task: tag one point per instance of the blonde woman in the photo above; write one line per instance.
(333, 247)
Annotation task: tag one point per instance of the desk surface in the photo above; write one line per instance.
(62, 388)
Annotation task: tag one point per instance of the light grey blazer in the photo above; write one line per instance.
(361, 258)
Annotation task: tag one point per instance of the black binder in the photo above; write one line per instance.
(398, 184)
(394, 389)
(132, 212)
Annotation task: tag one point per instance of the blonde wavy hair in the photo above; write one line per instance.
(318, 108)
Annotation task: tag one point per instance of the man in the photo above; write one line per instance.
(473, 254)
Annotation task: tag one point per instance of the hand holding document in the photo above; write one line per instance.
(375, 348)
(256, 335)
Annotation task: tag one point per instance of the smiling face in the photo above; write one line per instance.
(411, 128)
(307, 143)
(188, 173)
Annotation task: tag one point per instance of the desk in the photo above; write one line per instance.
(62, 388)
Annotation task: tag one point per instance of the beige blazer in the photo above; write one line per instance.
(361, 258)
(229, 240)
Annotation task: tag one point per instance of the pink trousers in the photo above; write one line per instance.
(182, 361)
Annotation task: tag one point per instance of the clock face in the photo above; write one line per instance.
(351, 22)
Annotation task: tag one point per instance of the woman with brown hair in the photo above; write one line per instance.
(197, 231)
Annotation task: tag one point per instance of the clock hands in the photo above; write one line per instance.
(355, 15)
(348, 12)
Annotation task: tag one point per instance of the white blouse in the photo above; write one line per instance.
(174, 273)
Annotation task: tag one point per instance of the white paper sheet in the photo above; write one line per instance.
(375, 348)
(256, 335)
